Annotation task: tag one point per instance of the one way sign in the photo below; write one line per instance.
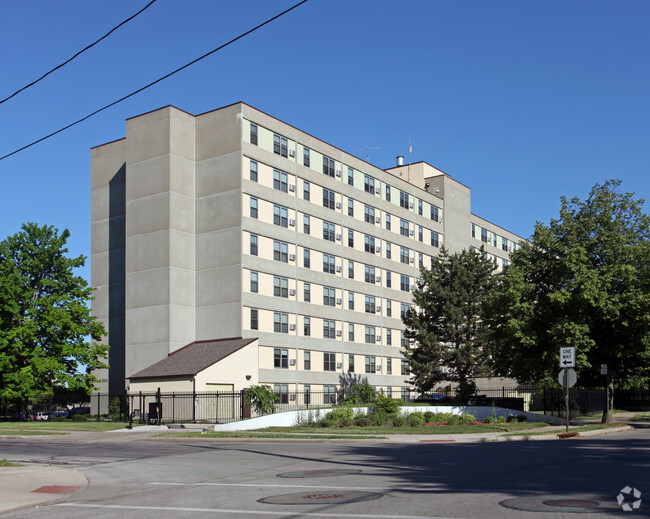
(568, 357)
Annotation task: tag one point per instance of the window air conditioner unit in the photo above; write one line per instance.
(292, 187)
(292, 222)
(338, 172)
(338, 237)
(378, 191)
(378, 279)
(411, 205)
(412, 260)
(292, 292)
(338, 205)
(338, 268)
(379, 309)
(292, 396)
(412, 288)
(378, 219)
(412, 232)
(377, 250)
(339, 365)
(292, 257)
(339, 333)
(292, 362)
(378, 338)
(292, 153)
(379, 367)
(339, 301)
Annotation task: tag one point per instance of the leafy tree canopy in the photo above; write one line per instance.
(448, 328)
(45, 321)
(582, 281)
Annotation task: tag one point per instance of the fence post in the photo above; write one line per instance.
(98, 402)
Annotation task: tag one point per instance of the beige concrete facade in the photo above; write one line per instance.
(235, 224)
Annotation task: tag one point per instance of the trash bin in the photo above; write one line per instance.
(155, 412)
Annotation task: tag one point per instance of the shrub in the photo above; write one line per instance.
(428, 416)
(415, 419)
(522, 418)
(466, 419)
(340, 417)
(501, 419)
(442, 417)
(489, 419)
(362, 421)
(454, 420)
(361, 394)
(390, 405)
(398, 420)
(380, 417)
(511, 418)
(262, 399)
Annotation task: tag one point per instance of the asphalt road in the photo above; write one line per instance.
(226, 479)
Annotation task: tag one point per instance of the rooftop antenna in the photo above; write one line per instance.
(366, 149)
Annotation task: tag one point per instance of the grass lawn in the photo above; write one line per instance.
(260, 434)
(577, 428)
(597, 416)
(641, 417)
(61, 427)
(5, 463)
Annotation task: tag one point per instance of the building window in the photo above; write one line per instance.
(280, 358)
(280, 181)
(389, 252)
(370, 335)
(388, 193)
(328, 198)
(484, 235)
(350, 238)
(253, 245)
(280, 145)
(369, 184)
(504, 244)
(254, 282)
(254, 204)
(350, 176)
(280, 251)
(280, 216)
(405, 367)
(255, 319)
(369, 272)
(403, 227)
(306, 190)
(306, 394)
(435, 213)
(328, 166)
(307, 331)
(420, 207)
(329, 231)
(351, 269)
(404, 283)
(280, 287)
(350, 300)
(389, 308)
(350, 207)
(389, 279)
(387, 222)
(306, 292)
(329, 329)
(282, 393)
(253, 134)
(351, 363)
(389, 338)
(370, 305)
(404, 309)
(505, 263)
(369, 214)
(306, 224)
(329, 395)
(328, 264)
(329, 361)
(306, 258)
(404, 255)
(473, 231)
(351, 332)
(404, 199)
(420, 234)
(306, 157)
(280, 322)
(435, 239)
(253, 171)
(404, 343)
(329, 296)
(369, 244)
(389, 366)
(406, 394)
(420, 260)
(371, 364)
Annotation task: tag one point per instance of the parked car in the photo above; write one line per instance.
(41, 415)
(56, 414)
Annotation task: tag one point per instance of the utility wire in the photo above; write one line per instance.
(156, 81)
(78, 53)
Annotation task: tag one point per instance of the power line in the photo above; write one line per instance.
(78, 53)
(156, 81)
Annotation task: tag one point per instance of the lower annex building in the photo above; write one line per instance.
(234, 224)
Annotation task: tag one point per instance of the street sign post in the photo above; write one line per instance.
(568, 357)
(571, 376)
(567, 360)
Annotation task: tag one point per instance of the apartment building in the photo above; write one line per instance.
(236, 224)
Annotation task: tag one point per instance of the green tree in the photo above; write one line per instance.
(262, 399)
(582, 281)
(448, 328)
(45, 321)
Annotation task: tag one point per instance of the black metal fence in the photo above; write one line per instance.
(217, 407)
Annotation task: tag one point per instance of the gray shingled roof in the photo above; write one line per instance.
(193, 358)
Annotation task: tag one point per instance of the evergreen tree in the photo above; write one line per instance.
(447, 324)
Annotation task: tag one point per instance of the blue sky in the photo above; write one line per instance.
(521, 101)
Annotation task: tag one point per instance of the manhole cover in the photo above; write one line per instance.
(316, 498)
(317, 473)
(582, 503)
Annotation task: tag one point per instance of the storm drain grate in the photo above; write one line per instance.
(562, 504)
(317, 498)
(317, 473)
